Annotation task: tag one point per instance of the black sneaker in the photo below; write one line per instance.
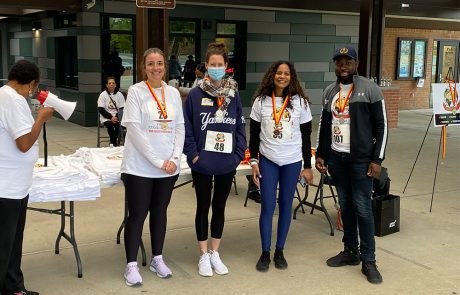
(369, 269)
(264, 261)
(278, 258)
(345, 257)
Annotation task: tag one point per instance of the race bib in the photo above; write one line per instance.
(341, 134)
(219, 142)
(281, 131)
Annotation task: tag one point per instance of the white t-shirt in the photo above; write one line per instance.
(105, 102)
(341, 121)
(164, 138)
(16, 167)
(282, 143)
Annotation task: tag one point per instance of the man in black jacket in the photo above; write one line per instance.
(352, 138)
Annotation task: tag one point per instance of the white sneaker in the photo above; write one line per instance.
(159, 267)
(217, 264)
(132, 276)
(204, 265)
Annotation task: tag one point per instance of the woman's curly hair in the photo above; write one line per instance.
(267, 87)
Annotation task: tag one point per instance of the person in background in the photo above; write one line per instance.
(280, 132)
(200, 71)
(215, 142)
(189, 69)
(110, 105)
(175, 69)
(352, 138)
(113, 67)
(154, 141)
(18, 154)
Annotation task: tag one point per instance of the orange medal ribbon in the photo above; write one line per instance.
(161, 106)
(220, 101)
(278, 115)
(343, 103)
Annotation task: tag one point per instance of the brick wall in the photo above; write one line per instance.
(391, 95)
(412, 97)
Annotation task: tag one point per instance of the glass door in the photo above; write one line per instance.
(117, 50)
(233, 35)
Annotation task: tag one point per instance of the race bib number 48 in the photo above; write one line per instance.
(219, 142)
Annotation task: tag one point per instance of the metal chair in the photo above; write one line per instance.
(324, 180)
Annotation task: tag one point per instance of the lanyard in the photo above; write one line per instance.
(278, 115)
(343, 104)
(220, 101)
(161, 106)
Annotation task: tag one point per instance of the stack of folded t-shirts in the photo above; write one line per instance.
(65, 182)
(104, 162)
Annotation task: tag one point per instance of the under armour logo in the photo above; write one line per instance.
(343, 50)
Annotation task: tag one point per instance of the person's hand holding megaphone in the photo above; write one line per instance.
(44, 114)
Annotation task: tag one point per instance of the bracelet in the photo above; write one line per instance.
(253, 161)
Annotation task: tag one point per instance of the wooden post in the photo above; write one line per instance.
(152, 30)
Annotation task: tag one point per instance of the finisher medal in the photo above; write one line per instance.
(219, 116)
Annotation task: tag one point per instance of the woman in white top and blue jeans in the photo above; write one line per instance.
(280, 131)
(153, 147)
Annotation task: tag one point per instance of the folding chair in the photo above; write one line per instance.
(324, 180)
(102, 135)
(297, 196)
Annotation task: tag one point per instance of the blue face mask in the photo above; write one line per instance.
(216, 73)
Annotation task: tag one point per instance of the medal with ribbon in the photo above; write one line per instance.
(161, 104)
(277, 116)
(342, 103)
(219, 116)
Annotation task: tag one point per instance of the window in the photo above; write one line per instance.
(411, 59)
(67, 65)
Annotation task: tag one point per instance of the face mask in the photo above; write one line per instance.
(216, 73)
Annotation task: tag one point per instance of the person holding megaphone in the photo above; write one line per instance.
(18, 154)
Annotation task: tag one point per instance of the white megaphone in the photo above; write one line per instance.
(65, 108)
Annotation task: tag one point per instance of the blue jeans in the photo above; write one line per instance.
(287, 176)
(354, 188)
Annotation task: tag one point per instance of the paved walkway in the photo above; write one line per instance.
(421, 259)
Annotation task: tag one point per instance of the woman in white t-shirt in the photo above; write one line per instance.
(280, 131)
(150, 167)
(18, 154)
(110, 105)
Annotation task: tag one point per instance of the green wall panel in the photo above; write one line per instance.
(311, 52)
(25, 46)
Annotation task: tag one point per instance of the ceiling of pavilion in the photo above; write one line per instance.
(439, 14)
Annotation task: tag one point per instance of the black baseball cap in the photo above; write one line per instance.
(345, 51)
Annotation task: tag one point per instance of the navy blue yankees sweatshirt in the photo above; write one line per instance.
(199, 115)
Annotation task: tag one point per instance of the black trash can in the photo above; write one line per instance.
(386, 214)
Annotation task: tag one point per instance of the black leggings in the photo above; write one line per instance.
(113, 130)
(143, 195)
(203, 188)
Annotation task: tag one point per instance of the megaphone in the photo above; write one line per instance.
(65, 108)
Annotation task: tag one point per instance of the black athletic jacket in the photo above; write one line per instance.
(368, 122)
